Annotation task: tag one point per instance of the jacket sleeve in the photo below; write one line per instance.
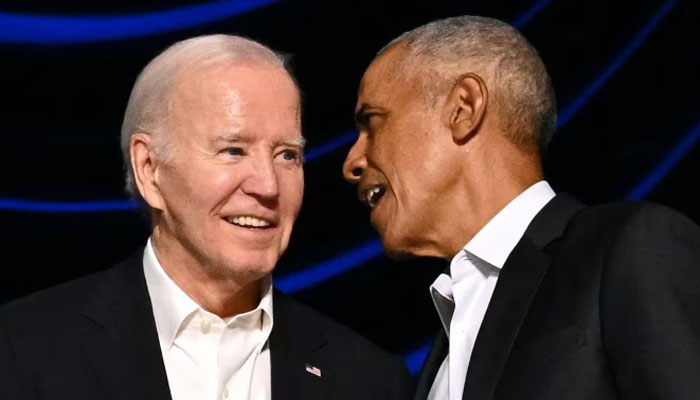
(650, 306)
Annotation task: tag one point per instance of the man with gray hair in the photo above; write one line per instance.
(213, 148)
(544, 298)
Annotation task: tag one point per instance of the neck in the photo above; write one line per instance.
(496, 180)
(213, 288)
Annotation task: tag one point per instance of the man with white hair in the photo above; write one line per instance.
(213, 147)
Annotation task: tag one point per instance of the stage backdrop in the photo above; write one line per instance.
(625, 74)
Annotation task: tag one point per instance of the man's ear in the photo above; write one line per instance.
(466, 105)
(146, 169)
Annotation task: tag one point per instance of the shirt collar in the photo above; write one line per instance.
(497, 239)
(491, 245)
(172, 306)
(443, 300)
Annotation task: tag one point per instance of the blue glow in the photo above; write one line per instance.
(415, 359)
(531, 13)
(661, 170)
(331, 146)
(573, 108)
(325, 270)
(57, 30)
(63, 208)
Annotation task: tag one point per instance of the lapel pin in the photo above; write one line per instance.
(313, 370)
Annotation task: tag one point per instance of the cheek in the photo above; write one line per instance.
(222, 182)
(418, 187)
(292, 193)
(216, 183)
(199, 189)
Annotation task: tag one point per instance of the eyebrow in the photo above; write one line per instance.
(243, 138)
(298, 142)
(232, 138)
(362, 113)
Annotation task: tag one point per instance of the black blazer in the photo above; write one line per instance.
(95, 338)
(593, 303)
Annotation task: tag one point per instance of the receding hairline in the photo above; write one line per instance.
(152, 94)
(185, 76)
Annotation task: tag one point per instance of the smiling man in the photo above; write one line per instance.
(213, 147)
(544, 298)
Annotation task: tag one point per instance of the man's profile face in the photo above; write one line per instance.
(406, 158)
(233, 181)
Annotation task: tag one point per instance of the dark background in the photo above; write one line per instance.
(632, 67)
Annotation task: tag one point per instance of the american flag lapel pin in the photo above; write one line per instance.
(313, 370)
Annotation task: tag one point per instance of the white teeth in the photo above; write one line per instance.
(373, 196)
(249, 221)
(370, 194)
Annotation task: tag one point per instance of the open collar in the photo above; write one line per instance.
(172, 306)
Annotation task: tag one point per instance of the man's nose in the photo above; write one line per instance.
(263, 180)
(355, 162)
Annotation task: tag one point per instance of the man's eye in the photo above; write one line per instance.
(366, 118)
(290, 155)
(234, 151)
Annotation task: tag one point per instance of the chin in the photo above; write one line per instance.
(252, 267)
(407, 246)
(395, 249)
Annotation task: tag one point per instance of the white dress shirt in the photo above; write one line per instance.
(462, 297)
(205, 356)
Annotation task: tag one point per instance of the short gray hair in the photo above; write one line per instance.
(513, 71)
(149, 102)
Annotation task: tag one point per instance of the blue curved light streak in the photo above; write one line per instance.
(67, 208)
(325, 270)
(61, 30)
(531, 13)
(665, 166)
(593, 89)
(332, 145)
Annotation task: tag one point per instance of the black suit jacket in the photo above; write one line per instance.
(593, 303)
(95, 338)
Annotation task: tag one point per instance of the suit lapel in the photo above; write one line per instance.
(515, 289)
(517, 284)
(293, 348)
(122, 346)
(432, 363)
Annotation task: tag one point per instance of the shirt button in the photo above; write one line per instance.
(224, 393)
(206, 325)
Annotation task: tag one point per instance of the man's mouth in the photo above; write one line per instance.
(373, 195)
(249, 221)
